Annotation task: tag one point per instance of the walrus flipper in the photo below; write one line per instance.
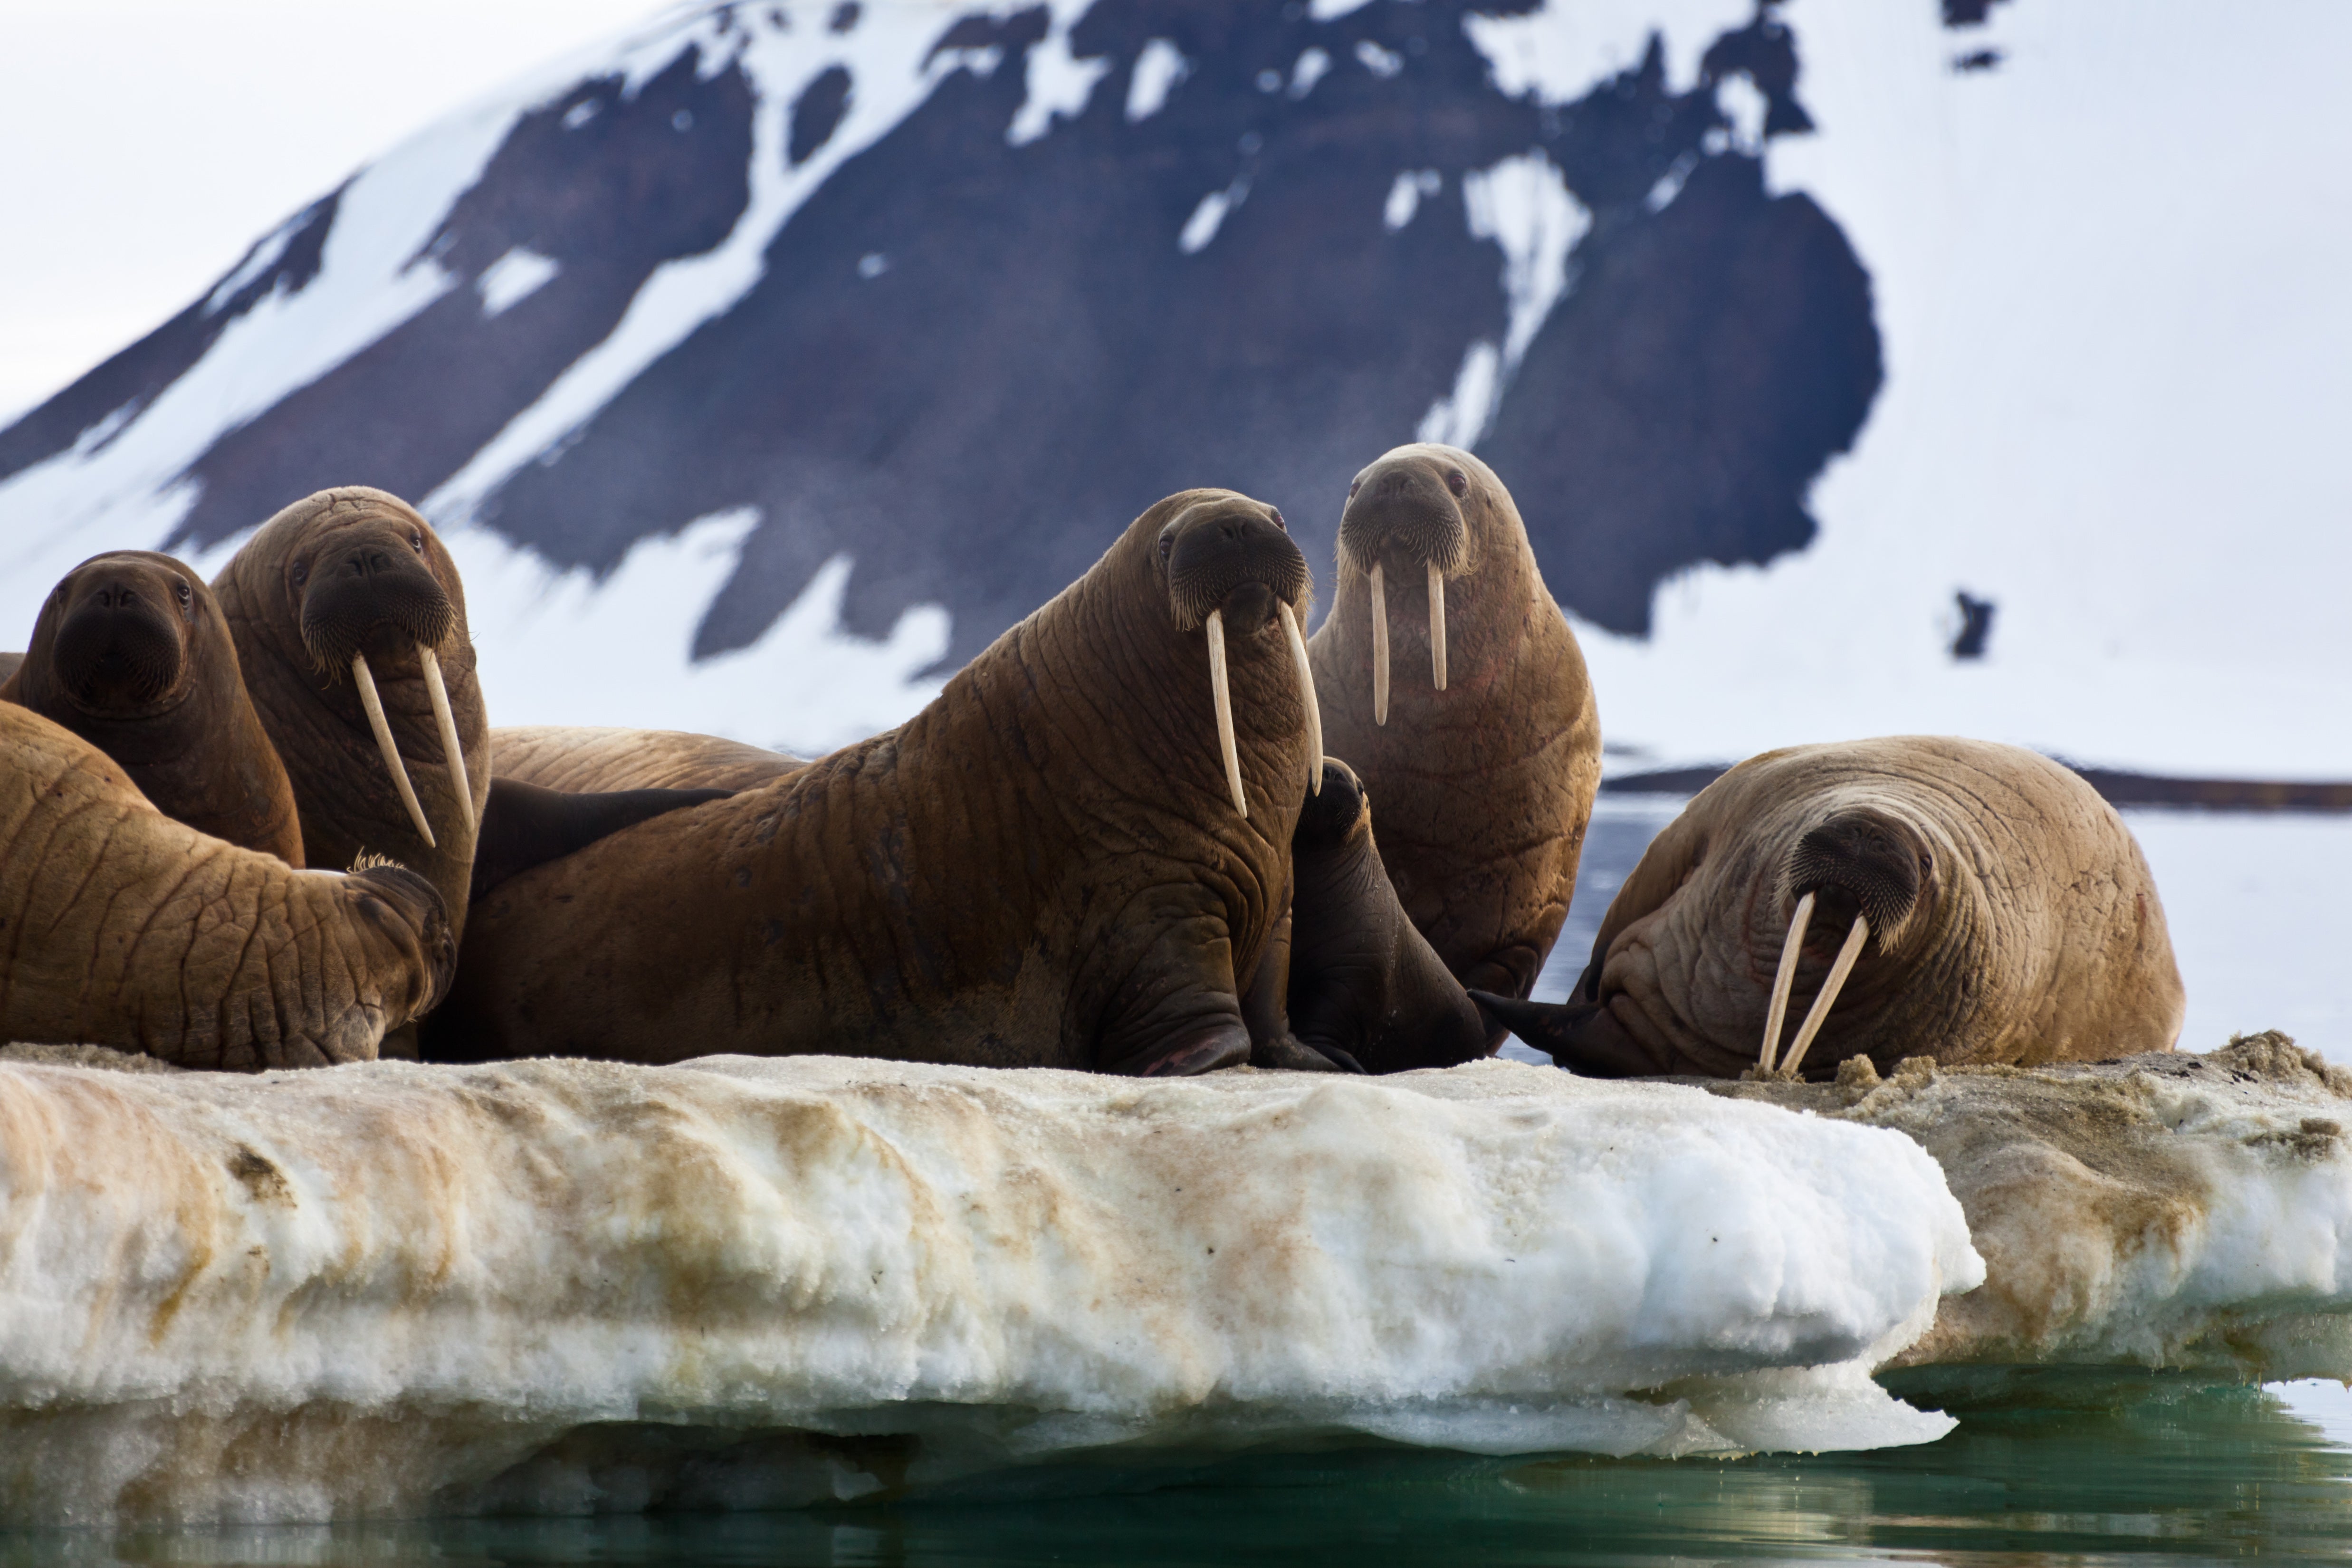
(525, 825)
(1577, 1036)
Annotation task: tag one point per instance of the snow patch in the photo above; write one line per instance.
(1563, 49)
(1209, 216)
(1744, 105)
(1460, 417)
(1523, 204)
(1309, 68)
(258, 260)
(1158, 70)
(1332, 10)
(1382, 63)
(565, 648)
(513, 278)
(398, 1281)
(1404, 196)
(1059, 84)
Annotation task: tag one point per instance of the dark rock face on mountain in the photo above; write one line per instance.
(967, 363)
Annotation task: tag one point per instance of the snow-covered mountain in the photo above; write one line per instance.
(767, 362)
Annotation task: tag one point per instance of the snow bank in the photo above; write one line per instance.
(2165, 1210)
(559, 1285)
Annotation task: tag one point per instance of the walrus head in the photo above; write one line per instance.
(1868, 874)
(366, 581)
(1232, 570)
(410, 910)
(119, 632)
(1411, 512)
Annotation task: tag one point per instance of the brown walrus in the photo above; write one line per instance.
(1364, 987)
(9, 663)
(585, 757)
(349, 621)
(1074, 856)
(1915, 896)
(130, 652)
(1483, 766)
(122, 927)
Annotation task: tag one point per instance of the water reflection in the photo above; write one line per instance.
(2046, 1467)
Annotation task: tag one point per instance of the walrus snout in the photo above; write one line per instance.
(122, 646)
(1859, 863)
(1230, 560)
(1332, 812)
(1406, 511)
(369, 591)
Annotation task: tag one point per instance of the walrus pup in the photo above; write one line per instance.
(350, 620)
(1913, 896)
(1484, 765)
(588, 757)
(120, 927)
(1074, 856)
(1364, 985)
(130, 652)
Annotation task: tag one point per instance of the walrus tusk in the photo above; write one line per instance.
(1437, 626)
(1306, 695)
(1379, 647)
(1224, 695)
(448, 722)
(1783, 978)
(374, 706)
(1852, 951)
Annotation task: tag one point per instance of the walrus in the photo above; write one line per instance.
(131, 653)
(8, 663)
(1364, 987)
(350, 620)
(1485, 767)
(584, 757)
(1074, 856)
(122, 927)
(1915, 896)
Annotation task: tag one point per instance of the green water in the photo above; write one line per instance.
(2043, 1468)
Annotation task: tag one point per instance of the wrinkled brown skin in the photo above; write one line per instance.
(2033, 933)
(1363, 985)
(1485, 788)
(310, 707)
(148, 674)
(123, 928)
(588, 757)
(1042, 867)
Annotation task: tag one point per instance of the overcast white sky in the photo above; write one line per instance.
(145, 143)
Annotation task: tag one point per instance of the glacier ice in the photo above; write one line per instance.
(390, 1289)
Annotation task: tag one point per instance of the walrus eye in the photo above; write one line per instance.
(417, 541)
(1167, 544)
(301, 573)
(1353, 486)
(1277, 519)
(184, 596)
(1458, 482)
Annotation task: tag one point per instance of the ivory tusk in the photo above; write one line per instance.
(1854, 938)
(1224, 695)
(1783, 978)
(374, 706)
(448, 722)
(1306, 695)
(1437, 626)
(1379, 646)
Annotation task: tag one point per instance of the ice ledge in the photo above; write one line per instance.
(2172, 1210)
(388, 1288)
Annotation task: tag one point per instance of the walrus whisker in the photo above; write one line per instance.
(1437, 626)
(448, 722)
(1379, 647)
(1222, 695)
(1843, 967)
(1306, 695)
(383, 744)
(1782, 979)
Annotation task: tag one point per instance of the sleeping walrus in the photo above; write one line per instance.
(131, 653)
(120, 927)
(1478, 737)
(1074, 856)
(1913, 895)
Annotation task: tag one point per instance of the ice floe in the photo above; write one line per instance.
(389, 1289)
